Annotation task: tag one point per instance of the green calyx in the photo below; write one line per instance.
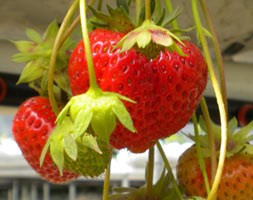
(36, 54)
(97, 113)
(116, 20)
(238, 138)
(150, 36)
(63, 142)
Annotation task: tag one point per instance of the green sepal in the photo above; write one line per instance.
(31, 72)
(62, 80)
(70, 147)
(90, 142)
(117, 19)
(24, 46)
(123, 116)
(82, 121)
(44, 152)
(103, 124)
(149, 33)
(51, 31)
(34, 36)
(57, 154)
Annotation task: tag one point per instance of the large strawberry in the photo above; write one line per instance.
(31, 128)
(166, 88)
(236, 181)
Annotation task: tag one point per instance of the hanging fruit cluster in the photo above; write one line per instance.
(125, 84)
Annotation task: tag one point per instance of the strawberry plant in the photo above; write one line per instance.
(129, 81)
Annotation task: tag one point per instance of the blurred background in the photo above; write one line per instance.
(234, 27)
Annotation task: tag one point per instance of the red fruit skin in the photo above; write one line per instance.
(236, 181)
(31, 127)
(167, 89)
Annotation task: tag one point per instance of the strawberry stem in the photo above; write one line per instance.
(137, 10)
(106, 186)
(70, 29)
(150, 172)
(169, 170)
(210, 134)
(147, 10)
(56, 47)
(217, 51)
(199, 153)
(86, 41)
(220, 102)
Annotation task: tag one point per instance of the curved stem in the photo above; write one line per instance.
(70, 29)
(86, 41)
(217, 51)
(219, 98)
(150, 172)
(56, 47)
(211, 137)
(199, 154)
(169, 170)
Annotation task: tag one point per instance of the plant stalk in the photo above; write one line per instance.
(217, 50)
(147, 10)
(53, 58)
(211, 137)
(199, 153)
(219, 98)
(150, 172)
(106, 186)
(86, 41)
(169, 170)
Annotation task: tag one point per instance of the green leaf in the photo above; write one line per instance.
(63, 113)
(34, 36)
(57, 154)
(23, 46)
(23, 57)
(30, 73)
(62, 80)
(70, 147)
(103, 123)
(91, 142)
(82, 122)
(232, 125)
(123, 115)
(123, 4)
(44, 152)
(52, 30)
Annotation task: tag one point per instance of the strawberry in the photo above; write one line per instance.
(31, 128)
(84, 155)
(166, 88)
(237, 177)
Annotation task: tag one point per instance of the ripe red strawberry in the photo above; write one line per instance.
(31, 127)
(236, 181)
(237, 177)
(167, 88)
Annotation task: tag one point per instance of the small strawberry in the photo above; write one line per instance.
(31, 128)
(166, 88)
(84, 155)
(237, 177)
